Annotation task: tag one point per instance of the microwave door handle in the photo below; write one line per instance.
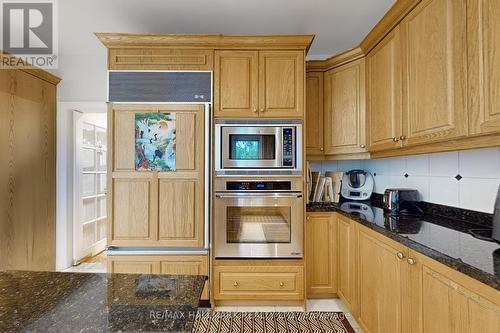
(259, 195)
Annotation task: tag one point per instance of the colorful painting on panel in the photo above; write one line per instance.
(155, 141)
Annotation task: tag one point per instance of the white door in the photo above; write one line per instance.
(89, 176)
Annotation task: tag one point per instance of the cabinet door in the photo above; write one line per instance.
(186, 265)
(381, 279)
(181, 193)
(314, 113)
(133, 265)
(434, 37)
(441, 303)
(321, 252)
(348, 263)
(281, 83)
(236, 84)
(345, 109)
(483, 41)
(384, 95)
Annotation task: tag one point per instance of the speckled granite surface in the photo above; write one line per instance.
(445, 240)
(80, 302)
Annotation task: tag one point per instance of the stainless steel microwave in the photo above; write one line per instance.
(258, 145)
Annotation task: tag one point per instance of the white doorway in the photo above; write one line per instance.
(89, 184)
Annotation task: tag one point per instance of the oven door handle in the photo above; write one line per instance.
(258, 195)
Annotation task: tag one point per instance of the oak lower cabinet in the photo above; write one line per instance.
(435, 72)
(258, 280)
(314, 113)
(382, 273)
(151, 208)
(160, 264)
(259, 83)
(345, 109)
(347, 269)
(321, 255)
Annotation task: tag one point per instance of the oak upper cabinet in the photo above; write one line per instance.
(384, 94)
(348, 262)
(382, 271)
(314, 113)
(434, 69)
(443, 300)
(151, 208)
(345, 109)
(483, 41)
(259, 84)
(236, 83)
(321, 252)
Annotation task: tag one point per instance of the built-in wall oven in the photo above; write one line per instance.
(258, 218)
(272, 145)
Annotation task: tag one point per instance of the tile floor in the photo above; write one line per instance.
(96, 264)
(333, 305)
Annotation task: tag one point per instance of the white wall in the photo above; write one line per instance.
(433, 175)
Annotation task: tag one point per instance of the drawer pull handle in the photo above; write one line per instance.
(282, 284)
(236, 284)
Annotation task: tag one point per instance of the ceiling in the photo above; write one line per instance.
(337, 24)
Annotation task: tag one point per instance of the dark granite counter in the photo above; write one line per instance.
(80, 302)
(445, 240)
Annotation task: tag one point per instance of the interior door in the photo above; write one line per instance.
(385, 90)
(435, 65)
(89, 184)
(236, 84)
(281, 83)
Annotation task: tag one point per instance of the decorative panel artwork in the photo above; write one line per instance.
(155, 141)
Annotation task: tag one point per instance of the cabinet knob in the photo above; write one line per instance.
(254, 110)
(363, 146)
(282, 284)
(400, 255)
(236, 284)
(411, 261)
(321, 149)
(402, 137)
(262, 110)
(395, 139)
(308, 218)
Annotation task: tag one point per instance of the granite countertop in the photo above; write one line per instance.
(83, 302)
(443, 239)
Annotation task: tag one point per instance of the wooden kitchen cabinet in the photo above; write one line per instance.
(434, 70)
(443, 300)
(160, 264)
(314, 113)
(384, 94)
(382, 274)
(259, 83)
(321, 254)
(348, 288)
(483, 42)
(345, 109)
(156, 208)
(236, 83)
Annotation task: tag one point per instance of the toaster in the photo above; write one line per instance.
(397, 200)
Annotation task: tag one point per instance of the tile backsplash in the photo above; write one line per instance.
(466, 179)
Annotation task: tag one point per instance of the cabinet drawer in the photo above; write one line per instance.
(276, 283)
(167, 59)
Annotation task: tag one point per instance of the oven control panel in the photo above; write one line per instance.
(288, 147)
(259, 186)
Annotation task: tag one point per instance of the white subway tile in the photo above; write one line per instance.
(444, 191)
(482, 163)
(443, 164)
(420, 183)
(478, 194)
(417, 165)
(349, 165)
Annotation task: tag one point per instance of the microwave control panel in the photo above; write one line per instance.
(288, 147)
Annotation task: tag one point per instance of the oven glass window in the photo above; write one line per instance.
(258, 224)
(252, 147)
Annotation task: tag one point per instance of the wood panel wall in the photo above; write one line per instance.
(27, 170)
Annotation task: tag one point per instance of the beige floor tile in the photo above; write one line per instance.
(256, 308)
(226, 308)
(325, 305)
